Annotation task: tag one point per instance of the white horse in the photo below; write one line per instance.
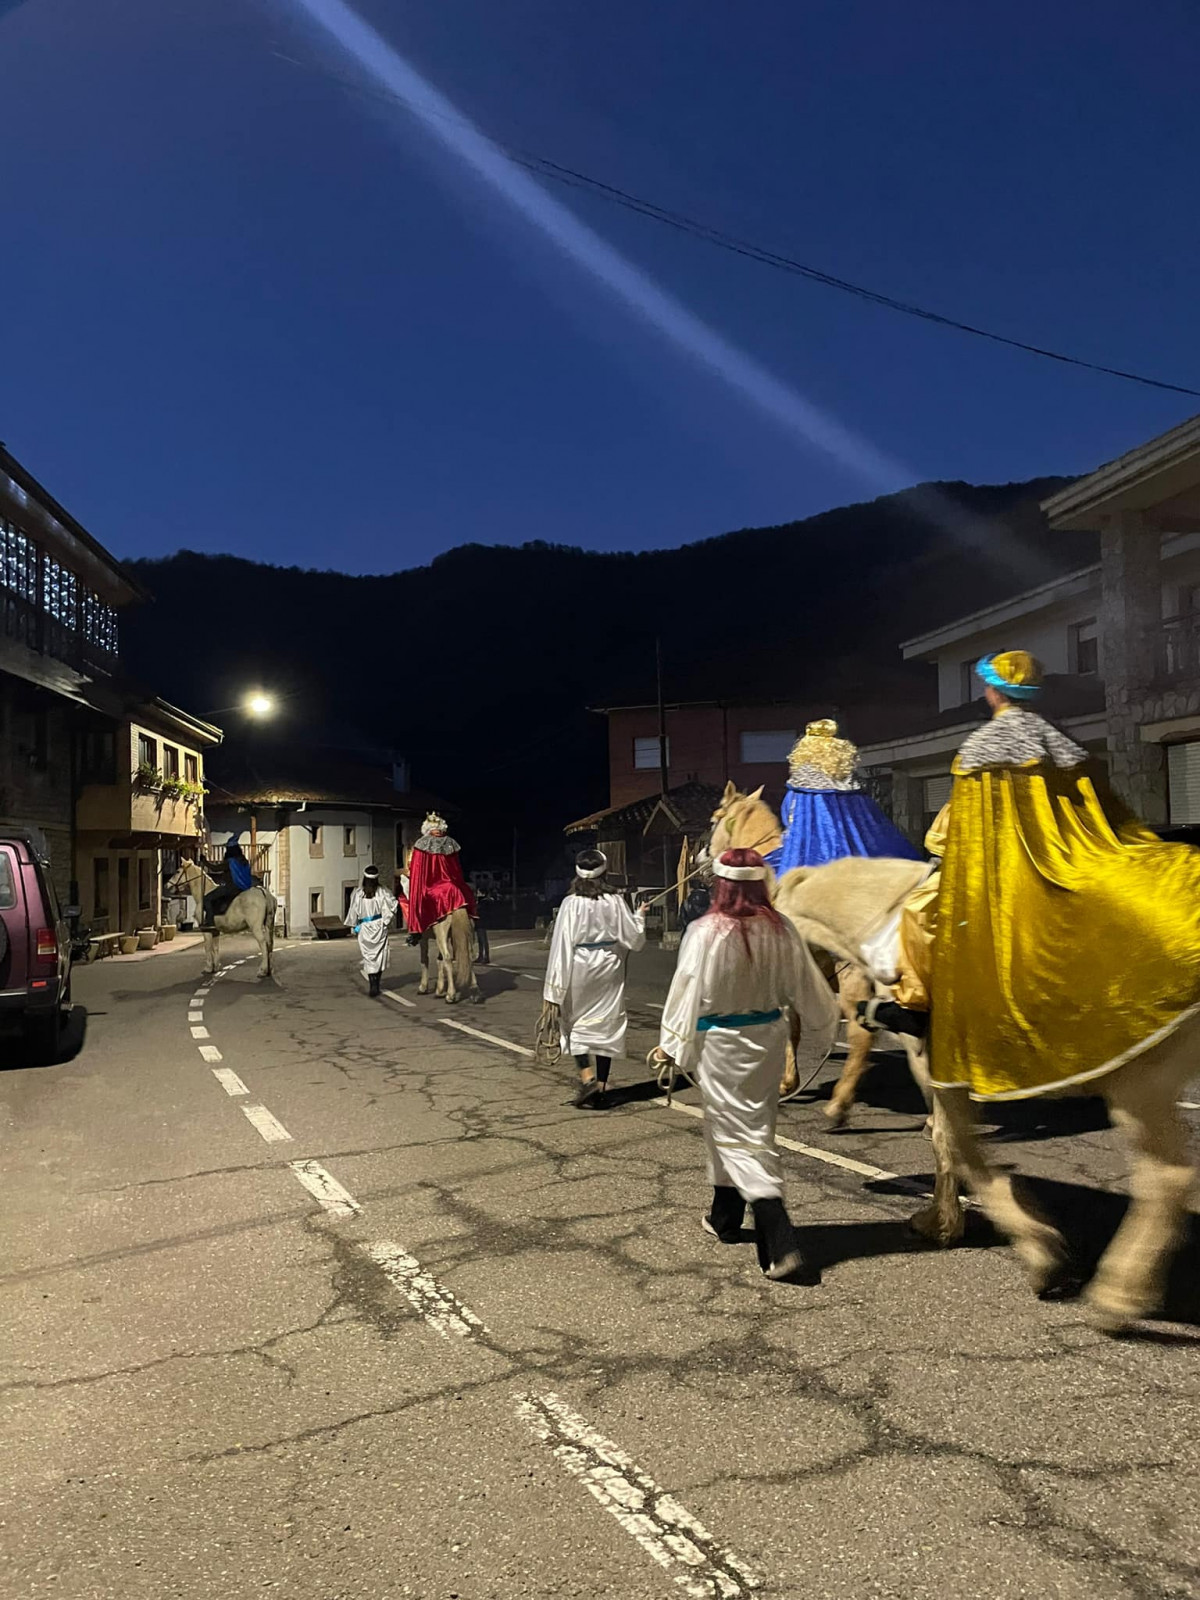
(252, 911)
(829, 906)
(456, 967)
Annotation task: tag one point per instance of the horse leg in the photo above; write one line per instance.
(423, 986)
(1039, 1245)
(852, 987)
(1132, 1272)
(446, 973)
(211, 949)
(943, 1222)
(264, 949)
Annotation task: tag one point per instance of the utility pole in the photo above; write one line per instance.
(514, 878)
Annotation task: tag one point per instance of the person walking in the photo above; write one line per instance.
(744, 985)
(372, 909)
(594, 934)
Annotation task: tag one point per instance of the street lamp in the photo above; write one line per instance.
(259, 705)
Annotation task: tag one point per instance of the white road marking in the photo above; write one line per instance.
(1189, 1105)
(390, 994)
(196, 1016)
(664, 1529)
(434, 1302)
(514, 972)
(229, 1081)
(829, 1157)
(325, 1188)
(209, 1052)
(513, 944)
(200, 1033)
(654, 1005)
(492, 1038)
(272, 1130)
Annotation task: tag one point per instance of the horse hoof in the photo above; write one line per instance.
(931, 1227)
(836, 1116)
(476, 998)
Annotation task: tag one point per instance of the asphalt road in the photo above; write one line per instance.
(312, 1294)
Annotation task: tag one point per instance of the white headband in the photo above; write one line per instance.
(592, 872)
(740, 874)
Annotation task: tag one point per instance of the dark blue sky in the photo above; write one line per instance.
(248, 309)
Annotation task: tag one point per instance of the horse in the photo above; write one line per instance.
(252, 911)
(746, 821)
(456, 968)
(834, 906)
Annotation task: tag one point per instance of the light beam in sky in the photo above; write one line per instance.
(583, 245)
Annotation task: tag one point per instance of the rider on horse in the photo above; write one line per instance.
(237, 877)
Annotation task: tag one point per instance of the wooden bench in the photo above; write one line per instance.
(103, 944)
(329, 928)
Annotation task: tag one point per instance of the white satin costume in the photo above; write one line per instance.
(371, 918)
(585, 976)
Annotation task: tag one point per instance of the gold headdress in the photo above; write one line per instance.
(434, 824)
(821, 748)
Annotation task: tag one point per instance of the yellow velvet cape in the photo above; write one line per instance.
(1066, 942)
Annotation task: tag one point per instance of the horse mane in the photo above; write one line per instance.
(752, 824)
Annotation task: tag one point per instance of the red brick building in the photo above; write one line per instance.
(709, 741)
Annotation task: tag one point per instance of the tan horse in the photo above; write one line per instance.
(747, 822)
(252, 912)
(456, 967)
(833, 906)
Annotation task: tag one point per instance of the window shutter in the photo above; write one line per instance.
(937, 792)
(1183, 782)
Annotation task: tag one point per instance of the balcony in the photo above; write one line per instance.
(1179, 650)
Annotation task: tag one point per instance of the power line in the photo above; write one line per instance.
(571, 177)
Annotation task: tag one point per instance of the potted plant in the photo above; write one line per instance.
(147, 938)
(171, 788)
(129, 943)
(147, 776)
(191, 791)
(167, 932)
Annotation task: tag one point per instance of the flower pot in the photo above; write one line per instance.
(167, 931)
(147, 938)
(129, 943)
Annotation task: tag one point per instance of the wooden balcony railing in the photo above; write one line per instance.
(1179, 649)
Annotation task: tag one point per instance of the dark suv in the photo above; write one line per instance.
(35, 947)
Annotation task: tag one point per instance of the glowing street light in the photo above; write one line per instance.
(259, 705)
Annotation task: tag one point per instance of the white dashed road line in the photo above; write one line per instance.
(399, 999)
(200, 1032)
(209, 1052)
(272, 1130)
(492, 1038)
(1189, 1105)
(663, 1528)
(196, 1016)
(514, 944)
(229, 1081)
(432, 1300)
(325, 1189)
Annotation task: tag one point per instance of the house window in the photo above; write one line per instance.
(316, 843)
(170, 764)
(145, 884)
(936, 794)
(147, 751)
(1085, 647)
(763, 748)
(349, 845)
(316, 899)
(646, 755)
(98, 762)
(1183, 782)
(191, 768)
(347, 896)
(100, 886)
(968, 684)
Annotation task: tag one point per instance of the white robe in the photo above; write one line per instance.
(585, 975)
(380, 908)
(738, 1067)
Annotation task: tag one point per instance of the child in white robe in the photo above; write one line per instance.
(370, 914)
(744, 976)
(594, 933)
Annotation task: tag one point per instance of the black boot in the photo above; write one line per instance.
(725, 1216)
(374, 983)
(874, 1015)
(779, 1253)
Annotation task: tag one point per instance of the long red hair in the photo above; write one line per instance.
(740, 899)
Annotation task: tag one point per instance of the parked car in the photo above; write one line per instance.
(35, 947)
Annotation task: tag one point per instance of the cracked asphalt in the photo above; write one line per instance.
(211, 1388)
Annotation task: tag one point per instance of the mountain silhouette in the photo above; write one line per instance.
(480, 667)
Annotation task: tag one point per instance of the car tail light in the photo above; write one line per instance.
(47, 945)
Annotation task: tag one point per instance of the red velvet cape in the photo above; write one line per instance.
(436, 887)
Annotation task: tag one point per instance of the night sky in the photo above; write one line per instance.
(250, 306)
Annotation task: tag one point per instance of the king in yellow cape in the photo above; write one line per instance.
(1068, 934)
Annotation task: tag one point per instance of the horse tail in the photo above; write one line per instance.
(460, 947)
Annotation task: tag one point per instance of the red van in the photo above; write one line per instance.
(35, 948)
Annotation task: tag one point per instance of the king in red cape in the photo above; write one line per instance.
(436, 885)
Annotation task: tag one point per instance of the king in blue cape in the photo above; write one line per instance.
(826, 813)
